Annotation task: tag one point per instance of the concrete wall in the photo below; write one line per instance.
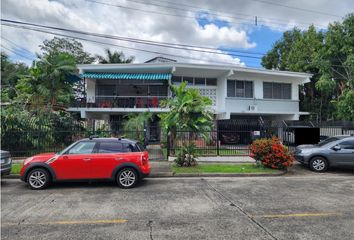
(240, 105)
(91, 90)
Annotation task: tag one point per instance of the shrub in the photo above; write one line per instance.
(186, 157)
(271, 153)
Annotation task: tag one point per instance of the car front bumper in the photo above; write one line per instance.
(302, 158)
(5, 169)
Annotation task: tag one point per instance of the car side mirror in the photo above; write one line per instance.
(336, 148)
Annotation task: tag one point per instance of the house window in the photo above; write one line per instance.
(276, 90)
(195, 81)
(199, 81)
(211, 81)
(189, 80)
(106, 90)
(157, 90)
(176, 79)
(236, 88)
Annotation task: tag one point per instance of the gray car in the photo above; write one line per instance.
(6, 162)
(335, 151)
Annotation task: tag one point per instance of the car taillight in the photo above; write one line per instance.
(144, 159)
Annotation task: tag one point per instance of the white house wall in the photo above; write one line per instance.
(224, 106)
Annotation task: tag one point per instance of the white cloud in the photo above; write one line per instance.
(93, 17)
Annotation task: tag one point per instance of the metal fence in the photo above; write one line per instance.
(230, 138)
(233, 137)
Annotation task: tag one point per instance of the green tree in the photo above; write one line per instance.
(10, 74)
(114, 57)
(327, 55)
(66, 45)
(345, 106)
(188, 111)
(337, 55)
(136, 122)
(48, 82)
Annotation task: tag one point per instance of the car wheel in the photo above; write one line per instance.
(38, 178)
(127, 178)
(318, 164)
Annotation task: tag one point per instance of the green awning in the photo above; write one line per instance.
(128, 76)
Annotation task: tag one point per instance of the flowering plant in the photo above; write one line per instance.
(271, 153)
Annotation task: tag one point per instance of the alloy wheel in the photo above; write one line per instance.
(127, 178)
(318, 164)
(37, 179)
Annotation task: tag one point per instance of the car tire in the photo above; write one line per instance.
(318, 164)
(38, 178)
(127, 178)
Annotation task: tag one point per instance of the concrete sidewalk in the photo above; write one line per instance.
(161, 169)
(221, 159)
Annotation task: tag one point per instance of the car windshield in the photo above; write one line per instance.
(328, 140)
(66, 149)
(141, 147)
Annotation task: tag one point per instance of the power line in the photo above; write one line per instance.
(297, 8)
(16, 53)
(217, 13)
(17, 46)
(250, 21)
(24, 25)
(131, 48)
(140, 41)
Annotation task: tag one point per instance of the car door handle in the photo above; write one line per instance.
(87, 159)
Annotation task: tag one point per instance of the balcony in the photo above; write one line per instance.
(120, 102)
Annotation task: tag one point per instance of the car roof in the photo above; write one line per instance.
(122, 140)
(343, 136)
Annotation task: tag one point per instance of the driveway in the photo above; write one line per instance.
(310, 206)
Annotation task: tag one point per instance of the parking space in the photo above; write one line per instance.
(308, 206)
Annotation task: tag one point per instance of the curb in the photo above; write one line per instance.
(229, 174)
(11, 176)
(173, 175)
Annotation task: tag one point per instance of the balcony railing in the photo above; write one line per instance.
(121, 102)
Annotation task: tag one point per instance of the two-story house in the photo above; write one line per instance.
(114, 90)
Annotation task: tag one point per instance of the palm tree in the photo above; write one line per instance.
(137, 123)
(189, 111)
(55, 71)
(115, 57)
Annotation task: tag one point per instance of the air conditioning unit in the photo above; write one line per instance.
(252, 108)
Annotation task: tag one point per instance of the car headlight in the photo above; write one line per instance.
(27, 160)
(306, 151)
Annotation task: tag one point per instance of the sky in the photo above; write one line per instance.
(229, 27)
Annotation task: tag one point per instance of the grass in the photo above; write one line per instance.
(16, 167)
(212, 152)
(223, 168)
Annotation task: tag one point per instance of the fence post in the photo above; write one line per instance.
(168, 143)
(217, 143)
(93, 127)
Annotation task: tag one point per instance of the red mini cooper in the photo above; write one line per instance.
(115, 159)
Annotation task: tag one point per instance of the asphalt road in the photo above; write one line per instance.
(304, 206)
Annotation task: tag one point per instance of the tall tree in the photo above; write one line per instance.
(10, 74)
(189, 111)
(114, 57)
(327, 55)
(48, 83)
(66, 45)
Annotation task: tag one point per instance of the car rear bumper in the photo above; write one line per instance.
(144, 175)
